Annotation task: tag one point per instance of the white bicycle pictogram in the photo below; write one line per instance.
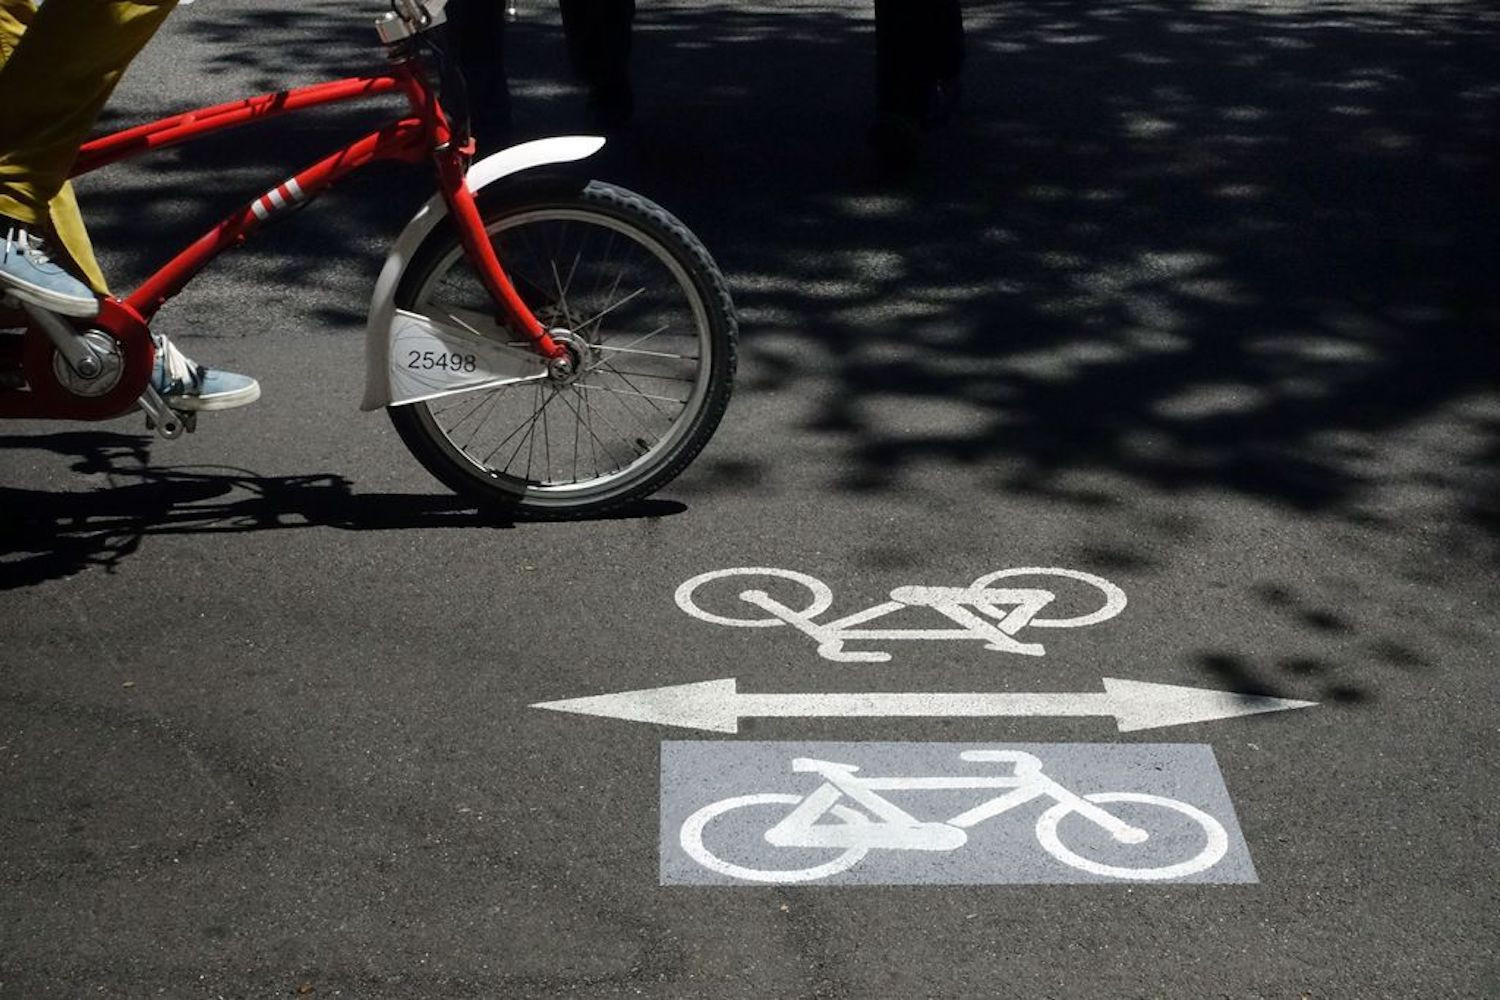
(884, 825)
(984, 611)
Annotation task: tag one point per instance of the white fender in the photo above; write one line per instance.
(379, 330)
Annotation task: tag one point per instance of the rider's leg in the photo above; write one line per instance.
(74, 254)
(67, 223)
(53, 87)
(60, 64)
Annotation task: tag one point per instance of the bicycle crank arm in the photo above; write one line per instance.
(75, 350)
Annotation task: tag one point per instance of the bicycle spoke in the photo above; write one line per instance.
(547, 447)
(641, 340)
(605, 266)
(606, 366)
(611, 426)
(577, 427)
(486, 404)
(531, 435)
(649, 398)
(519, 430)
(562, 292)
(594, 437)
(607, 310)
(650, 354)
(622, 392)
(614, 289)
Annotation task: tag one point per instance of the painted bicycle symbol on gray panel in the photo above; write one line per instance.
(990, 609)
(847, 814)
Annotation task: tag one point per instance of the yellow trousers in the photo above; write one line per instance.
(52, 88)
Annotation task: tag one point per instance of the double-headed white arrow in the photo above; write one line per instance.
(718, 706)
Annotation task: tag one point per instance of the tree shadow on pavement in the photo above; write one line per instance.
(1170, 250)
(1209, 246)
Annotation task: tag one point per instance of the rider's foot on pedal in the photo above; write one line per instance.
(186, 385)
(31, 276)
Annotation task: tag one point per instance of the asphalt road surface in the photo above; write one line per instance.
(1197, 298)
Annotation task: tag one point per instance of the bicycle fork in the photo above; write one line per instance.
(481, 253)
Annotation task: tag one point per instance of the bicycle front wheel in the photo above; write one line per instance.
(648, 312)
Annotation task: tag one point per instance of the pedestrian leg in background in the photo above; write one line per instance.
(945, 46)
(598, 36)
(476, 29)
(919, 50)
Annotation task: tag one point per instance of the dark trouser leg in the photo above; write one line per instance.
(598, 36)
(947, 59)
(476, 29)
(899, 72)
(918, 44)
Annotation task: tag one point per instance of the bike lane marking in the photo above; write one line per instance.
(837, 813)
(979, 608)
(873, 813)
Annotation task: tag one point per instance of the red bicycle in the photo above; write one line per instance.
(586, 370)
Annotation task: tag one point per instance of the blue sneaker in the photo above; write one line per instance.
(30, 275)
(186, 385)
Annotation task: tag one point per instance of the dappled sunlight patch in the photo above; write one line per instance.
(1212, 400)
(1244, 114)
(872, 206)
(887, 310)
(1328, 349)
(1155, 341)
(1241, 192)
(873, 264)
(1064, 361)
(897, 417)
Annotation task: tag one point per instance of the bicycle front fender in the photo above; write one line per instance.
(380, 329)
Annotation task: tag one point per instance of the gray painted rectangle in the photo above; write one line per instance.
(920, 813)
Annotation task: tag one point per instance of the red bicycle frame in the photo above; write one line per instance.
(426, 132)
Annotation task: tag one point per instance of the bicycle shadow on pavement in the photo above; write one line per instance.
(46, 535)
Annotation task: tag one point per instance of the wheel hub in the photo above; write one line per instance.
(570, 368)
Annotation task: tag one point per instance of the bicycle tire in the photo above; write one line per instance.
(696, 290)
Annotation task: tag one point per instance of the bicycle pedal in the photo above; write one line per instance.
(178, 424)
(161, 418)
